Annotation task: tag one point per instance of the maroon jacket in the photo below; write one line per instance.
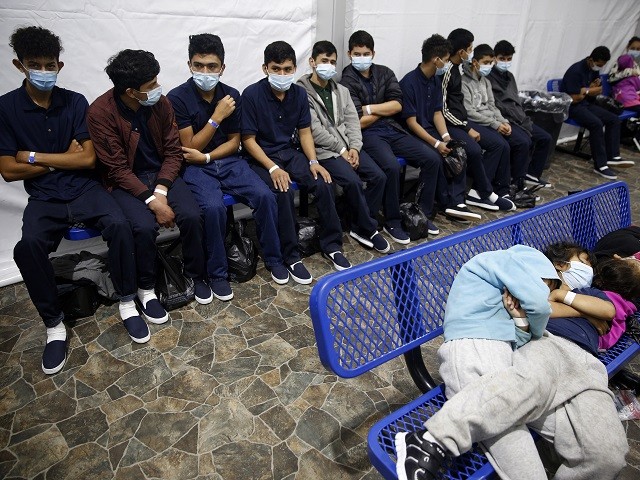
(116, 144)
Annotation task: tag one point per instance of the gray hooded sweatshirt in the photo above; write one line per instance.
(332, 135)
(479, 101)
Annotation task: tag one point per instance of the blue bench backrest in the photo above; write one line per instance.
(373, 312)
(554, 85)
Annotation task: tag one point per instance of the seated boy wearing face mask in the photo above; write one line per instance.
(481, 108)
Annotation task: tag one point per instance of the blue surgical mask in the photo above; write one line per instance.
(485, 70)
(469, 58)
(444, 69)
(579, 275)
(206, 81)
(42, 80)
(503, 66)
(634, 53)
(326, 71)
(281, 83)
(152, 97)
(362, 64)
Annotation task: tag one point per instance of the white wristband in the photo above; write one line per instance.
(368, 109)
(521, 321)
(160, 191)
(273, 169)
(569, 298)
(150, 199)
(437, 143)
(446, 134)
(344, 149)
(207, 158)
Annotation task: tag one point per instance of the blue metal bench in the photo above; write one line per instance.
(81, 232)
(555, 85)
(379, 310)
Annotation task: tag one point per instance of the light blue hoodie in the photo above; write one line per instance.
(474, 308)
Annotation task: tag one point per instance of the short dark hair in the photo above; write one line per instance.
(204, 44)
(600, 54)
(503, 47)
(323, 46)
(619, 276)
(561, 252)
(460, 39)
(435, 46)
(482, 50)
(635, 38)
(131, 69)
(361, 39)
(279, 52)
(34, 42)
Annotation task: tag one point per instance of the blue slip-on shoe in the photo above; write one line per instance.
(280, 274)
(380, 243)
(153, 311)
(397, 234)
(299, 273)
(137, 329)
(221, 289)
(203, 292)
(54, 356)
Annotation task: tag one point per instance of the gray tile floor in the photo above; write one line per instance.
(224, 391)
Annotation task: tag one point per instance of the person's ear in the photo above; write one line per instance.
(18, 65)
(60, 65)
(222, 69)
(264, 69)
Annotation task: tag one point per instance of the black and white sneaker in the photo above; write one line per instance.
(203, 293)
(620, 162)
(505, 204)
(533, 181)
(380, 243)
(54, 356)
(299, 273)
(432, 229)
(397, 234)
(417, 458)
(137, 329)
(280, 274)
(606, 172)
(461, 211)
(361, 239)
(153, 311)
(338, 259)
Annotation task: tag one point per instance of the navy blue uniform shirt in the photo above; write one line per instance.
(147, 159)
(273, 121)
(422, 97)
(29, 127)
(194, 111)
(579, 75)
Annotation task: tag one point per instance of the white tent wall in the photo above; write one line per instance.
(548, 36)
(91, 31)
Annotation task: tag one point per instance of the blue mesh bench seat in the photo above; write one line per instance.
(379, 310)
(555, 85)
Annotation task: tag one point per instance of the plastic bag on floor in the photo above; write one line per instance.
(627, 405)
(414, 221)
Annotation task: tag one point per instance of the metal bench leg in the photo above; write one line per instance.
(418, 370)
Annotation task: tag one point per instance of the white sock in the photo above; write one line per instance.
(127, 309)
(493, 197)
(145, 296)
(59, 332)
(474, 193)
(429, 438)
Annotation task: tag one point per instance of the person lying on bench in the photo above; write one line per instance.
(550, 385)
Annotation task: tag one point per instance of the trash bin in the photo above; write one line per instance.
(548, 110)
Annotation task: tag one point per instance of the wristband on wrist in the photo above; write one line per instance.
(446, 134)
(32, 157)
(586, 92)
(569, 298)
(368, 109)
(207, 158)
(150, 199)
(520, 321)
(438, 142)
(313, 162)
(344, 149)
(213, 123)
(273, 169)
(160, 191)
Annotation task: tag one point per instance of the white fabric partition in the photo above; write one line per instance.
(548, 35)
(93, 30)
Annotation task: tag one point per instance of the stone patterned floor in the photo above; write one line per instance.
(225, 391)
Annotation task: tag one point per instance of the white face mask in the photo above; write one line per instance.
(579, 275)
(325, 71)
(503, 66)
(281, 83)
